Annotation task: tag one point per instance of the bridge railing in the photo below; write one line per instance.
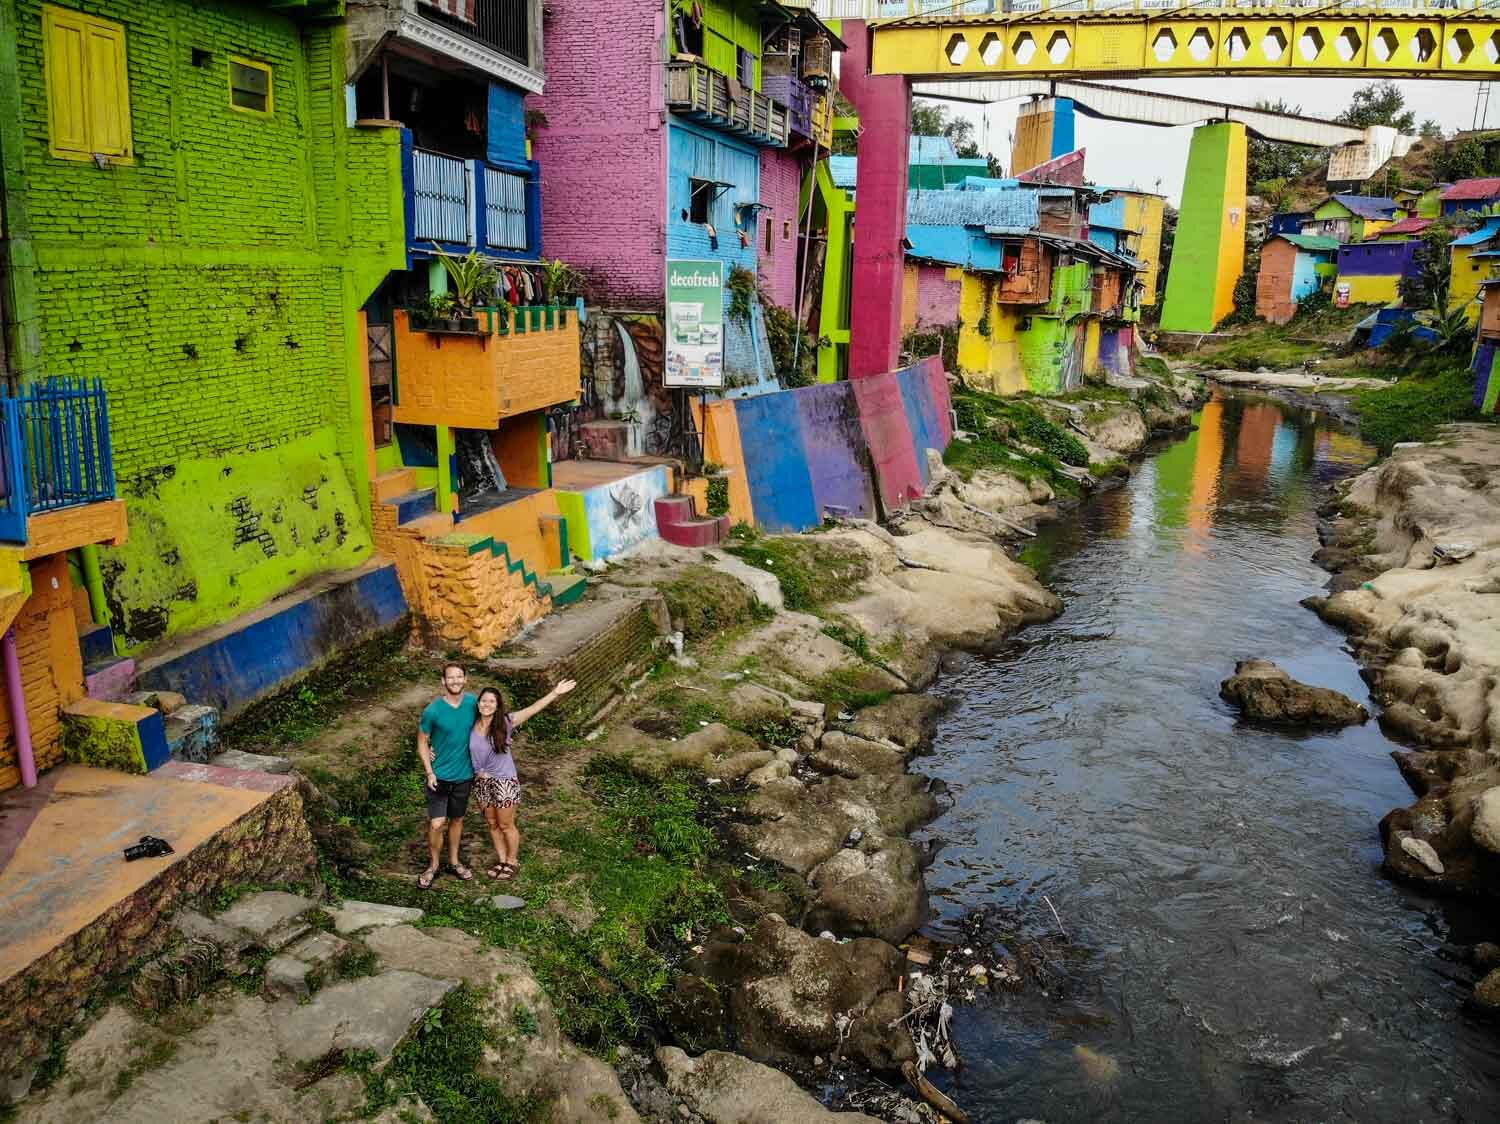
(896, 9)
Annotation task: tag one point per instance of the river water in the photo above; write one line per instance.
(1233, 952)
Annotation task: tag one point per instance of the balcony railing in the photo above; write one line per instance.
(693, 90)
(469, 203)
(54, 451)
(504, 25)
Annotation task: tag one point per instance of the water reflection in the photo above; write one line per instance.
(1244, 958)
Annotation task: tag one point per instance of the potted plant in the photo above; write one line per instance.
(563, 283)
(473, 282)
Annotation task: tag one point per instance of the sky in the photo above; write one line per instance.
(1154, 159)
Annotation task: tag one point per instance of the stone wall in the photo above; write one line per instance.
(271, 844)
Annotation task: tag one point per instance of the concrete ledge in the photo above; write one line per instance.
(232, 665)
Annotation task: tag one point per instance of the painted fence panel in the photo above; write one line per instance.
(835, 448)
(921, 416)
(781, 489)
(887, 429)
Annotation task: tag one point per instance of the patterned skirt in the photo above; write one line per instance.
(497, 792)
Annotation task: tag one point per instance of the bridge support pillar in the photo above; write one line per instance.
(884, 106)
(1044, 131)
(1208, 254)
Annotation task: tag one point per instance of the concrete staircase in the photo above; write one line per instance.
(678, 522)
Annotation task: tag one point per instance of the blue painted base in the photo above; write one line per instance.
(233, 665)
(154, 741)
(98, 645)
(414, 505)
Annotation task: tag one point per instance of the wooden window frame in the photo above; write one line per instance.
(56, 16)
(265, 68)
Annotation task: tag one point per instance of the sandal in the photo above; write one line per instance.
(426, 878)
(500, 872)
(460, 871)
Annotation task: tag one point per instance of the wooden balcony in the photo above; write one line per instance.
(697, 92)
(810, 113)
(517, 362)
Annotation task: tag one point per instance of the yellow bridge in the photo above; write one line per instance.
(932, 40)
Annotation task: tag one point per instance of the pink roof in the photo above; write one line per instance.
(1413, 225)
(1487, 187)
(1065, 170)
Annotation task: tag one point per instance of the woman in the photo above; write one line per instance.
(497, 789)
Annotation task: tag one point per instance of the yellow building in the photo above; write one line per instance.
(1472, 264)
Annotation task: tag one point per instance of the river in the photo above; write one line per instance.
(1233, 952)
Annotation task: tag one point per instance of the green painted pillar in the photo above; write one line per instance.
(1208, 255)
(437, 278)
(93, 581)
(445, 449)
(836, 270)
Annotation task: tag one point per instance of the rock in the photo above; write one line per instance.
(727, 1089)
(1485, 829)
(907, 719)
(196, 927)
(700, 750)
(251, 762)
(1422, 851)
(367, 1014)
(874, 891)
(1486, 956)
(507, 902)
(1265, 693)
(768, 773)
(268, 917)
(694, 1012)
(787, 989)
(851, 756)
(1487, 993)
(352, 916)
(1099, 1068)
(286, 977)
(740, 765)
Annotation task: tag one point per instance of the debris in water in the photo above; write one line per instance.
(1097, 1067)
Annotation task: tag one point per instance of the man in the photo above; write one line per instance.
(443, 748)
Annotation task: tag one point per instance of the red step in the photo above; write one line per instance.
(678, 521)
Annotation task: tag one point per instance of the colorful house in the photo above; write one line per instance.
(1130, 222)
(1471, 263)
(1371, 272)
(1478, 196)
(934, 164)
(1292, 268)
(1486, 360)
(208, 155)
(1402, 229)
(1351, 218)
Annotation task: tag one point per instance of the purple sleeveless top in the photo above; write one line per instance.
(485, 760)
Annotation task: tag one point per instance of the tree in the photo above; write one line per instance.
(1426, 286)
(1379, 103)
(929, 120)
(1460, 160)
(1267, 161)
(1430, 130)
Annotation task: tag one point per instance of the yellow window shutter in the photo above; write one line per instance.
(88, 88)
(64, 37)
(109, 90)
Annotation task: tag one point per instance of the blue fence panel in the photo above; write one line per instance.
(56, 451)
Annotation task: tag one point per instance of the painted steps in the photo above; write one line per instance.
(567, 588)
(678, 521)
(476, 543)
(411, 506)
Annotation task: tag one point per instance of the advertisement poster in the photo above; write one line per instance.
(695, 323)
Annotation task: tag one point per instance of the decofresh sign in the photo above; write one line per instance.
(695, 323)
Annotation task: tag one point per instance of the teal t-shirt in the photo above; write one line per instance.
(448, 727)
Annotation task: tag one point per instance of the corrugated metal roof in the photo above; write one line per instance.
(844, 170)
(1008, 207)
(1486, 231)
(1316, 242)
(1413, 225)
(940, 150)
(985, 183)
(1368, 206)
(1485, 187)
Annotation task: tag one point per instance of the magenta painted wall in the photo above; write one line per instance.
(884, 105)
(604, 149)
(937, 297)
(780, 191)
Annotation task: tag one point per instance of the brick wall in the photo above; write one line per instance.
(51, 667)
(780, 191)
(213, 282)
(603, 151)
(937, 296)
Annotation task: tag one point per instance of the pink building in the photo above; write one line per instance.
(780, 194)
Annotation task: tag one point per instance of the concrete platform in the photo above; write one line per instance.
(61, 844)
(580, 476)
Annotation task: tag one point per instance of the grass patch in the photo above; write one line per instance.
(315, 702)
(1265, 347)
(440, 1062)
(707, 602)
(1415, 406)
(812, 572)
(995, 425)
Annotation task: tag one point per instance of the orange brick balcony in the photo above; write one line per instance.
(518, 362)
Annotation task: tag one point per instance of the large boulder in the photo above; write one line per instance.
(850, 756)
(873, 890)
(908, 720)
(787, 992)
(728, 1089)
(1485, 829)
(1266, 693)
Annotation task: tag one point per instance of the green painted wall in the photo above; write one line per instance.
(1195, 294)
(728, 27)
(214, 285)
(836, 214)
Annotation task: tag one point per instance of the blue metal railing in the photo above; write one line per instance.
(54, 451)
